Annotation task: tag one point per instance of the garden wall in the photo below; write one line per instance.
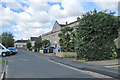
(66, 54)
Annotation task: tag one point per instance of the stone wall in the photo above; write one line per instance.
(117, 42)
(66, 54)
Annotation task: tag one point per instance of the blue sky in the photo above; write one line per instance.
(28, 18)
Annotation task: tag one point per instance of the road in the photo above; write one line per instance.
(27, 64)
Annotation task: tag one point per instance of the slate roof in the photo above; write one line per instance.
(35, 38)
(61, 25)
(21, 41)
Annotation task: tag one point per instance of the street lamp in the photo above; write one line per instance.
(55, 44)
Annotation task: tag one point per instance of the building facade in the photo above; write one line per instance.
(53, 35)
(21, 43)
(117, 41)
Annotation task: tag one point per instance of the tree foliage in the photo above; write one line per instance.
(66, 39)
(45, 43)
(95, 36)
(38, 43)
(42, 43)
(29, 45)
(7, 39)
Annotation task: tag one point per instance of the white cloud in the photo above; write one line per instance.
(7, 16)
(13, 5)
(37, 17)
(31, 32)
(105, 0)
(68, 20)
(71, 8)
(107, 4)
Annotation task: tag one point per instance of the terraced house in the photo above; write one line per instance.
(53, 35)
(117, 41)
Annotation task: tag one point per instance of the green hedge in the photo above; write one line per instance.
(95, 36)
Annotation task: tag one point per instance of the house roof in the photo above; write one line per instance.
(35, 38)
(21, 41)
(61, 25)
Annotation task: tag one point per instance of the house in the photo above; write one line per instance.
(33, 39)
(20, 43)
(53, 35)
(117, 41)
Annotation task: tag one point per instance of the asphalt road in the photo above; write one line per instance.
(27, 64)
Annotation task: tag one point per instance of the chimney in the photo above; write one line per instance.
(78, 18)
(40, 37)
(66, 22)
(95, 11)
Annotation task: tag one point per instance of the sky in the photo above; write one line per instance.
(32, 18)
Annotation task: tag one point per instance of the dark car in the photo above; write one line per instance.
(13, 50)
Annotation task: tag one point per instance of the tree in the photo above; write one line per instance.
(29, 45)
(7, 39)
(95, 36)
(45, 43)
(38, 43)
(66, 39)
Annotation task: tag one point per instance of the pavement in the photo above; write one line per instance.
(105, 62)
(27, 64)
(90, 66)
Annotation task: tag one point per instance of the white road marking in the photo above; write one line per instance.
(84, 71)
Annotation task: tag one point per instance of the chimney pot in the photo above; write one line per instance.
(78, 18)
(66, 22)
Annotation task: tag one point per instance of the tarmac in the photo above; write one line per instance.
(90, 66)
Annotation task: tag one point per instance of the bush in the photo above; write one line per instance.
(118, 53)
(95, 36)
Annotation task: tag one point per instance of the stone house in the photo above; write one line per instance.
(53, 35)
(117, 41)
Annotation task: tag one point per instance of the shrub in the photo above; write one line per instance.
(95, 36)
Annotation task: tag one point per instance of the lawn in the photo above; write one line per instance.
(2, 61)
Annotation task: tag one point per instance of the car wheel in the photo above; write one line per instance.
(3, 54)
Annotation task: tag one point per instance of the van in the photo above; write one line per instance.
(4, 51)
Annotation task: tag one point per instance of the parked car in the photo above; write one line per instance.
(13, 50)
(4, 51)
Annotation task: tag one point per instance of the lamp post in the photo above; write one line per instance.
(55, 44)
